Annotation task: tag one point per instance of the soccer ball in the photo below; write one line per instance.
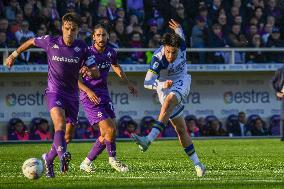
(32, 168)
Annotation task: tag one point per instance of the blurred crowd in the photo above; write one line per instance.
(235, 126)
(138, 23)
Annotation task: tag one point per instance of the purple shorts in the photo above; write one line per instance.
(71, 107)
(97, 112)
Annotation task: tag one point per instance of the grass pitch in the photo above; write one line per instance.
(257, 163)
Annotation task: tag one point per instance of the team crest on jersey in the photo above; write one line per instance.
(55, 46)
(58, 103)
(109, 54)
(155, 65)
(77, 49)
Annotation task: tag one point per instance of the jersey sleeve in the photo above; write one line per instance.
(179, 32)
(42, 41)
(155, 66)
(150, 81)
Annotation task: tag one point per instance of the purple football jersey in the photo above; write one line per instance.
(64, 63)
(103, 61)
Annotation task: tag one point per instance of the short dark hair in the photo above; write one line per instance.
(103, 26)
(71, 17)
(171, 39)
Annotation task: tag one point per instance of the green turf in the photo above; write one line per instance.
(230, 164)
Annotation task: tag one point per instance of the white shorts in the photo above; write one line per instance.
(180, 89)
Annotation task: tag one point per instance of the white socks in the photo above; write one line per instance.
(194, 158)
(153, 134)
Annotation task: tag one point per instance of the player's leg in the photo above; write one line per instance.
(69, 132)
(97, 149)
(186, 142)
(95, 114)
(59, 144)
(169, 105)
(109, 126)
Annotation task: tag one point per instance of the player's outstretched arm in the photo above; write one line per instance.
(118, 70)
(91, 95)
(177, 28)
(26, 45)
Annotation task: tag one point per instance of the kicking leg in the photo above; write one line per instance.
(167, 108)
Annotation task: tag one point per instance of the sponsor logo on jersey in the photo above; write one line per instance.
(65, 59)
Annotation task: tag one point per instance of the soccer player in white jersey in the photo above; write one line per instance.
(168, 76)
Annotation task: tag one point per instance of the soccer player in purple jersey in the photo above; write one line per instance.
(97, 103)
(66, 60)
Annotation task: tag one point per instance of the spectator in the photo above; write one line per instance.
(250, 33)
(15, 25)
(153, 28)
(113, 40)
(237, 39)
(40, 130)
(201, 124)
(10, 37)
(217, 40)
(137, 28)
(136, 42)
(235, 11)
(274, 125)
(131, 127)
(29, 15)
(12, 10)
(259, 56)
(3, 42)
(24, 32)
(259, 14)
(185, 22)
(222, 20)
(271, 20)
(84, 130)
(237, 125)
(191, 124)
(259, 128)
(266, 33)
(154, 42)
(17, 130)
(199, 36)
(274, 41)
(111, 10)
(214, 9)
(215, 128)
(146, 125)
(102, 12)
(272, 9)
(120, 31)
(85, 34)
(136, 7)
(203, 12)
(133, 19)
